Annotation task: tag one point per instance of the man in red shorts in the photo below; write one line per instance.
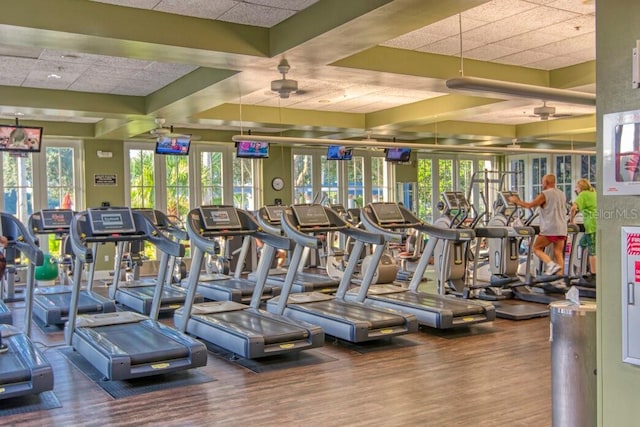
(553, 223)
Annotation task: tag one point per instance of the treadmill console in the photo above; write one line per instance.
(354, 215)
(56, 220)
(274, 213)
(215, 218)
(150, 214)
(507, 207)
(387, 213)
(311, 215)
(105, 221)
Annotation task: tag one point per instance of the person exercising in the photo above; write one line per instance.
(553, 223)
(586, 203)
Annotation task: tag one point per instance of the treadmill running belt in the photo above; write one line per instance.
(248, 323)
(244, 286)
(148, 291)
(457, 307)
(354, 312)
(86, 304)
(143, 344)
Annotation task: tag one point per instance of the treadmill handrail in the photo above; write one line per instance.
(412, 221)
(292, 231)
(263, 219)
(19, 237)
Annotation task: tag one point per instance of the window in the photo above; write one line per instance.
(244, 171)
(141, 178)
(588, 168)
(211, 171)
(17, 182)
(330, 180)
(445, 175)
(563, 175)
(177, 185)
(380, 180)
(302, 178)
(355, 179)
(538, 170)
(516, 180)
(425, 189)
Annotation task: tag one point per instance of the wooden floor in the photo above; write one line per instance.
(495, 374)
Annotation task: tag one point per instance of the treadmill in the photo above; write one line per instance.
(138, 294)
(246, 330)
(436, 311)
(351, 321)
(269, 219)
(125, 345)
(224, 288)
(23, 368)
(51, 303)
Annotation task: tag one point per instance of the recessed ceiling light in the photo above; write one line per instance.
(19, 113)
(69, 56)
(54, 76)
(324, 101)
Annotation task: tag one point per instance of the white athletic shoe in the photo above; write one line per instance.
(552, 268)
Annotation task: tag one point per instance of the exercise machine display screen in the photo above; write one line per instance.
(150, 214)
(504, 196)
(274, 213)
(462, 201)
(111, 221)
(220, 218)
(451, 199)
(387, 213)
(311, 215)
(56, 219)
(339, 208)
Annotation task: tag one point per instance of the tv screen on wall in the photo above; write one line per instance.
(177, 146)
(20, 138)
(400, 155)
(252, 149)
(339, 152)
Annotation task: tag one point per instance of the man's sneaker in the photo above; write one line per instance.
(552, 268)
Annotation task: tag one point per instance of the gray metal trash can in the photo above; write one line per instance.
(573, 364)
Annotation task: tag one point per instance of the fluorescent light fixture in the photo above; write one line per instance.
(509, 149)
(519, 90)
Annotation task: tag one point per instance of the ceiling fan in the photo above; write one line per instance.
(544, 112)
(162, 131)
(284, 87)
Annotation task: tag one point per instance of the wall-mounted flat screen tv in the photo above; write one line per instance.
(339, 152)
(177, 146)
(400, 155)
(252, 149)
(20, 138)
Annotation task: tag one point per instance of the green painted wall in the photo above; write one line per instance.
(277, 165)
(618, 24)
(96, 194)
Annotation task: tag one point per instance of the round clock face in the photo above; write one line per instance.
(277, 183)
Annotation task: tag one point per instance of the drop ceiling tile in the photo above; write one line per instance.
(451, 46)
(9, 64)
(572, 27)
(20, 51)
(12, 79)
(497, 9)
(205, 9)
(286, 4)
(141, 4)
(260, 16)
(524, 58)
(108, 72)
(584, 55)
(169, 68)
(489, 52)
(123, 63)
(493, 32)
(68, 56)
(573, 44)
(554, 62)
(432, 33)
(84, 85)
(537, 18)
(529, 40)
(582, 7)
